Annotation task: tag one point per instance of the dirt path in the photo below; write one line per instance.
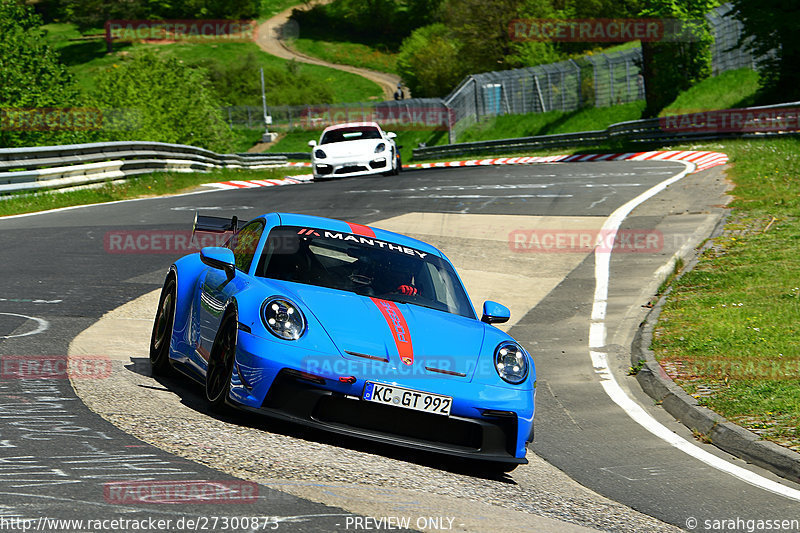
(269, 38)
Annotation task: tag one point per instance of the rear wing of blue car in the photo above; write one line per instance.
(210, 224)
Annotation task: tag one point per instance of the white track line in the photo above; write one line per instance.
(41, 326)
(597, 342)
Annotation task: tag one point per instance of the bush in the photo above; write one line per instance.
(239, 83)
(162, 100)
(31, 76)
(94, 13)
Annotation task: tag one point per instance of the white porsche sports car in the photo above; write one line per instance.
(354, 149)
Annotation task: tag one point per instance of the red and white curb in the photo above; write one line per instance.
(250, 184)
(702, 160)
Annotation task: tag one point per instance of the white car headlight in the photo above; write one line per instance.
(319, 154)
(283, 319)
(380, 148)
(511, 362)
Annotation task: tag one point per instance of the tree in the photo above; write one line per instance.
(155, 99)
(482, 30)
(672, 67)
(429, 61)
(771, 26)
(31, 75)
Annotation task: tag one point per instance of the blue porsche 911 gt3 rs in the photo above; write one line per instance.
(346, 328)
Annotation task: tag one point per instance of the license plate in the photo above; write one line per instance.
(408, 398)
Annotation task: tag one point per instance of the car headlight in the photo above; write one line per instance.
(283, 319)
(319, 154)
(511, 362)
(380, 148)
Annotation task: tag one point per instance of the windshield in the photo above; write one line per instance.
(363, 265)
(352, 133)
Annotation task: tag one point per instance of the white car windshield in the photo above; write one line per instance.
(353, 133)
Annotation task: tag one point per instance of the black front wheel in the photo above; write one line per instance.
(220, 363)
(162, 329)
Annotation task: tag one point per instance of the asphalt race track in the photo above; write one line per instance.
(63, 271)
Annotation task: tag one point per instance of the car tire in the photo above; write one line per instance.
(394, 170)
(220, 363)
(163, 324)
(399, 167)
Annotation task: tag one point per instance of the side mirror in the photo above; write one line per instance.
(495, 313)
(219, 258)
(391, 135)
(312, 143)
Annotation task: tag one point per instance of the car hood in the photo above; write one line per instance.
(405, 337)
(351, 148)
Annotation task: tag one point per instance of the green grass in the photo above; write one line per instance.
(86, 59)
(729, 332)
(245, 138)
(630, 45)
(551, 122)
(346, 53)
(138, 187)
(735, 88)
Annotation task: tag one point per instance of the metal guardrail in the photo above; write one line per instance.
(637, 131)
(49, 167)
(305, 156)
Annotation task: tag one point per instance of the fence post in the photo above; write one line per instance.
(539, 92)
(611, 80)
(451, 130)
(524, 93)
(477, 103)
(628, 78)
(579, 95)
